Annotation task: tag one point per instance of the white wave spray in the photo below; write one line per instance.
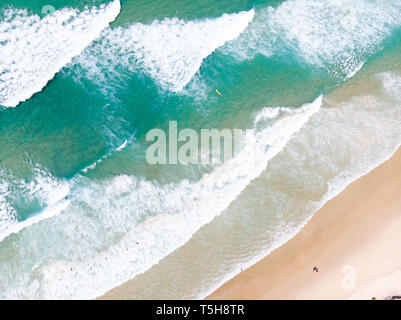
(34, 49)
(171, 51)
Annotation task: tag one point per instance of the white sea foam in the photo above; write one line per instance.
(332, 34)
(171, 51)
(34, 49)
(391, 84)
(45, 190)
(122, 146)
(355, 71)
(106, 156)
(8, 214)
(47, 213)
(125, 225)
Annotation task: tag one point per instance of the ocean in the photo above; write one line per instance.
(315, 85)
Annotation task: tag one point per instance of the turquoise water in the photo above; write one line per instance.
(81, 87)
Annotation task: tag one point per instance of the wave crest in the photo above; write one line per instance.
(33, 50)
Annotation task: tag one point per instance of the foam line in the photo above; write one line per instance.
(34, 49)
(334, 35)
(171, 51)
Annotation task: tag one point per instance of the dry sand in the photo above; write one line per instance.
(354, 241)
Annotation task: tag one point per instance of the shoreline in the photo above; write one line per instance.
(354, 240)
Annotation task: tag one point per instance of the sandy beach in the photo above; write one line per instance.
(354, 241)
